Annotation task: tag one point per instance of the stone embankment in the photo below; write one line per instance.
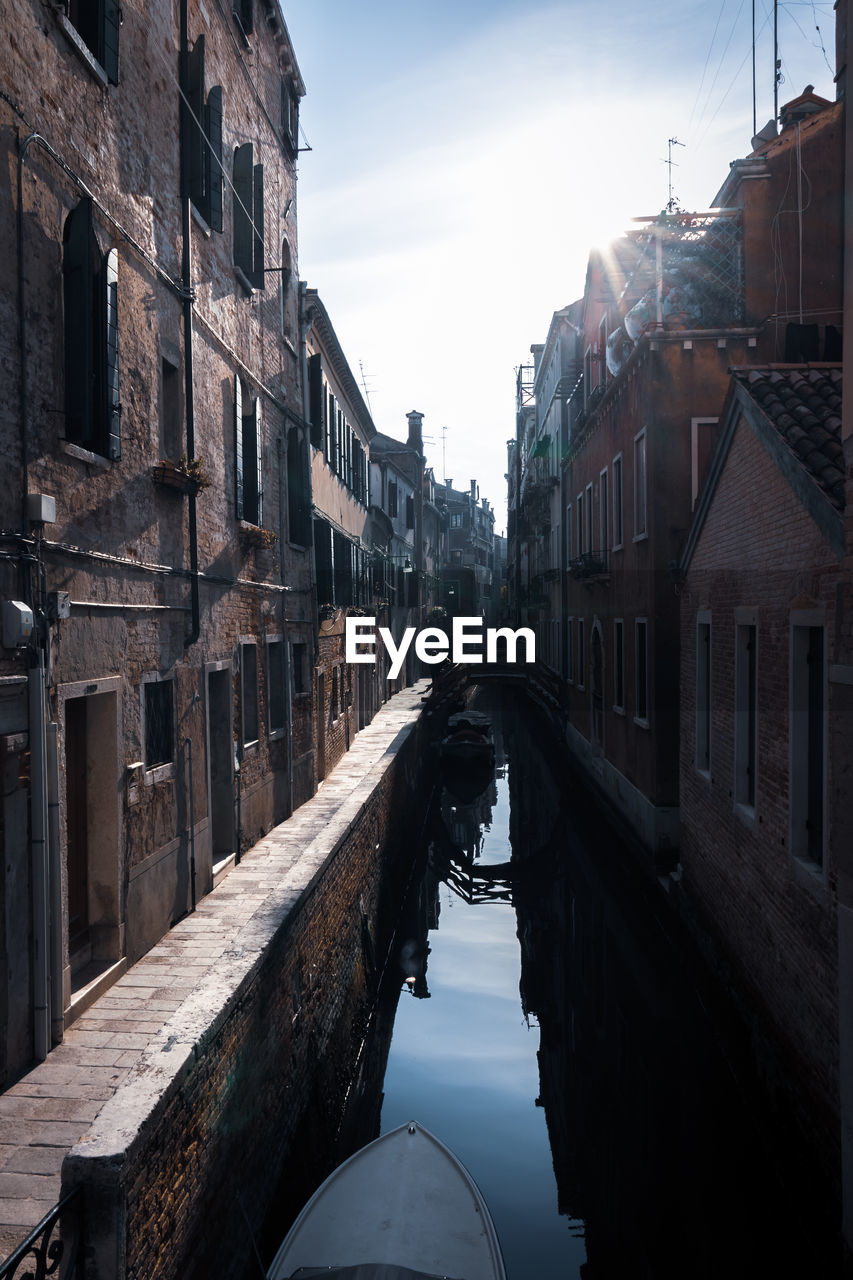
(175, 1098)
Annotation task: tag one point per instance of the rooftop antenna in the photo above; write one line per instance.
(777, 61)
(443, 453)
(364, 385)
(754, 118)
(672, 202)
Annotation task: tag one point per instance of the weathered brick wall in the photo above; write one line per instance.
(216, 1142)
(776, 920)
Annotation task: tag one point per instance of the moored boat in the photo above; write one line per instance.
(402, 1208)
(469, 740)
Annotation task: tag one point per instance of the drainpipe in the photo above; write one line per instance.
(39, 831)
(57, 1011)
(186, 272)
(288, 692)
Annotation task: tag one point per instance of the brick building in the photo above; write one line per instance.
(666, 312)
(760, 625)
(156, 452)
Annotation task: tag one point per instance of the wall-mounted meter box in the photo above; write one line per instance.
(17, 624)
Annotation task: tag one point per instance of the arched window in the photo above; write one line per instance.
(287, 328)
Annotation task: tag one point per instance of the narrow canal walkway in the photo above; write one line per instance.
(167, 999)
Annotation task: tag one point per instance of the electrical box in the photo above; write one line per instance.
(17, 624)
(58, 605)
(41, 508)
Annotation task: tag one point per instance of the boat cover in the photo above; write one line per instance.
(368, 1271)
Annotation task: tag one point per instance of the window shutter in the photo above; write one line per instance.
(112, 416)
(193, 108)
(112, 21)
(213, 125)
(258, 230)
(410, 511)
(78, 266)
(243, 174)
(259, 457)
(238, 448)
(315, 400)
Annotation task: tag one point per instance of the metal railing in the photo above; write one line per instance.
(592, 564)
(53, 1247)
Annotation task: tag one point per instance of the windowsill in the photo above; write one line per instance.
(83, 51)
(302, 693)
(275, 734)
(200, 222)
(746, 813)
(619, 711)
(244, 281)
(160, 773)
(85, 455)
(809, 875)
(641, 722)
(704, 773)
(287, 342)
(620, 546)
(640, 537)
(251, 746)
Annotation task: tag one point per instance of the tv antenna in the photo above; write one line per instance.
(364, 385)
(672, 202)
(444, 453)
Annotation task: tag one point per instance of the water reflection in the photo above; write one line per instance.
(620, 1144)
(557, 1040)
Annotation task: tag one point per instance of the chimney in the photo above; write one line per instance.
(485, 504)
(448, 483)
(473, 490)
(416, 439)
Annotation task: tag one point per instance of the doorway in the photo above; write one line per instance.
(220, 755)
(321, 726)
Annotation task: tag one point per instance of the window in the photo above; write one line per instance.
(299, 666)
(602, 350)
(97, 25)
(290, 116)
(286, 292)
(703, 437)
(569, 534)
(746, 712)
(90, 285)
(617, 502)
(581, 655)
(392, 498)
(275, 685)
(588, 365)
(249, 690)
(410, 511)
(603, 512)
(640, 522)
(579, 505)
(243, 15)
(588, 543)
(703, 693)
(248, 458)
(159, 723)
(618, 665)
(641, 671)
(298, 491)
(334, 708)
(202, 149)
(249, 216)
(808, 783)
(171, 410)
(570, 650)
(457, 520)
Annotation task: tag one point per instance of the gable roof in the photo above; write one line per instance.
(795, 411)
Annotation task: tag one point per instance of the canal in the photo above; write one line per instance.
(540, 1011)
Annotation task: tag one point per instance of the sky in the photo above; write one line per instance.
(466, 156)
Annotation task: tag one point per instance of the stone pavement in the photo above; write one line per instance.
(44, 1114)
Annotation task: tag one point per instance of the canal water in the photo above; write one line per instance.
(541, 1013)
(552, 1032)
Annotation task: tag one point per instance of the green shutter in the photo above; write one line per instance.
(315, 400)
(238, 448)
(213, 125)
(110, 29)
(112, 414)
(259, 452)
(258, 229)
(243, 191)
(79, 260)
(193, 113)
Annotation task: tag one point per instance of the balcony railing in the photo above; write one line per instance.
(591, 564)
(53, 1247)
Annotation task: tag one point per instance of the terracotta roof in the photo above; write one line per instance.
(803, 404)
